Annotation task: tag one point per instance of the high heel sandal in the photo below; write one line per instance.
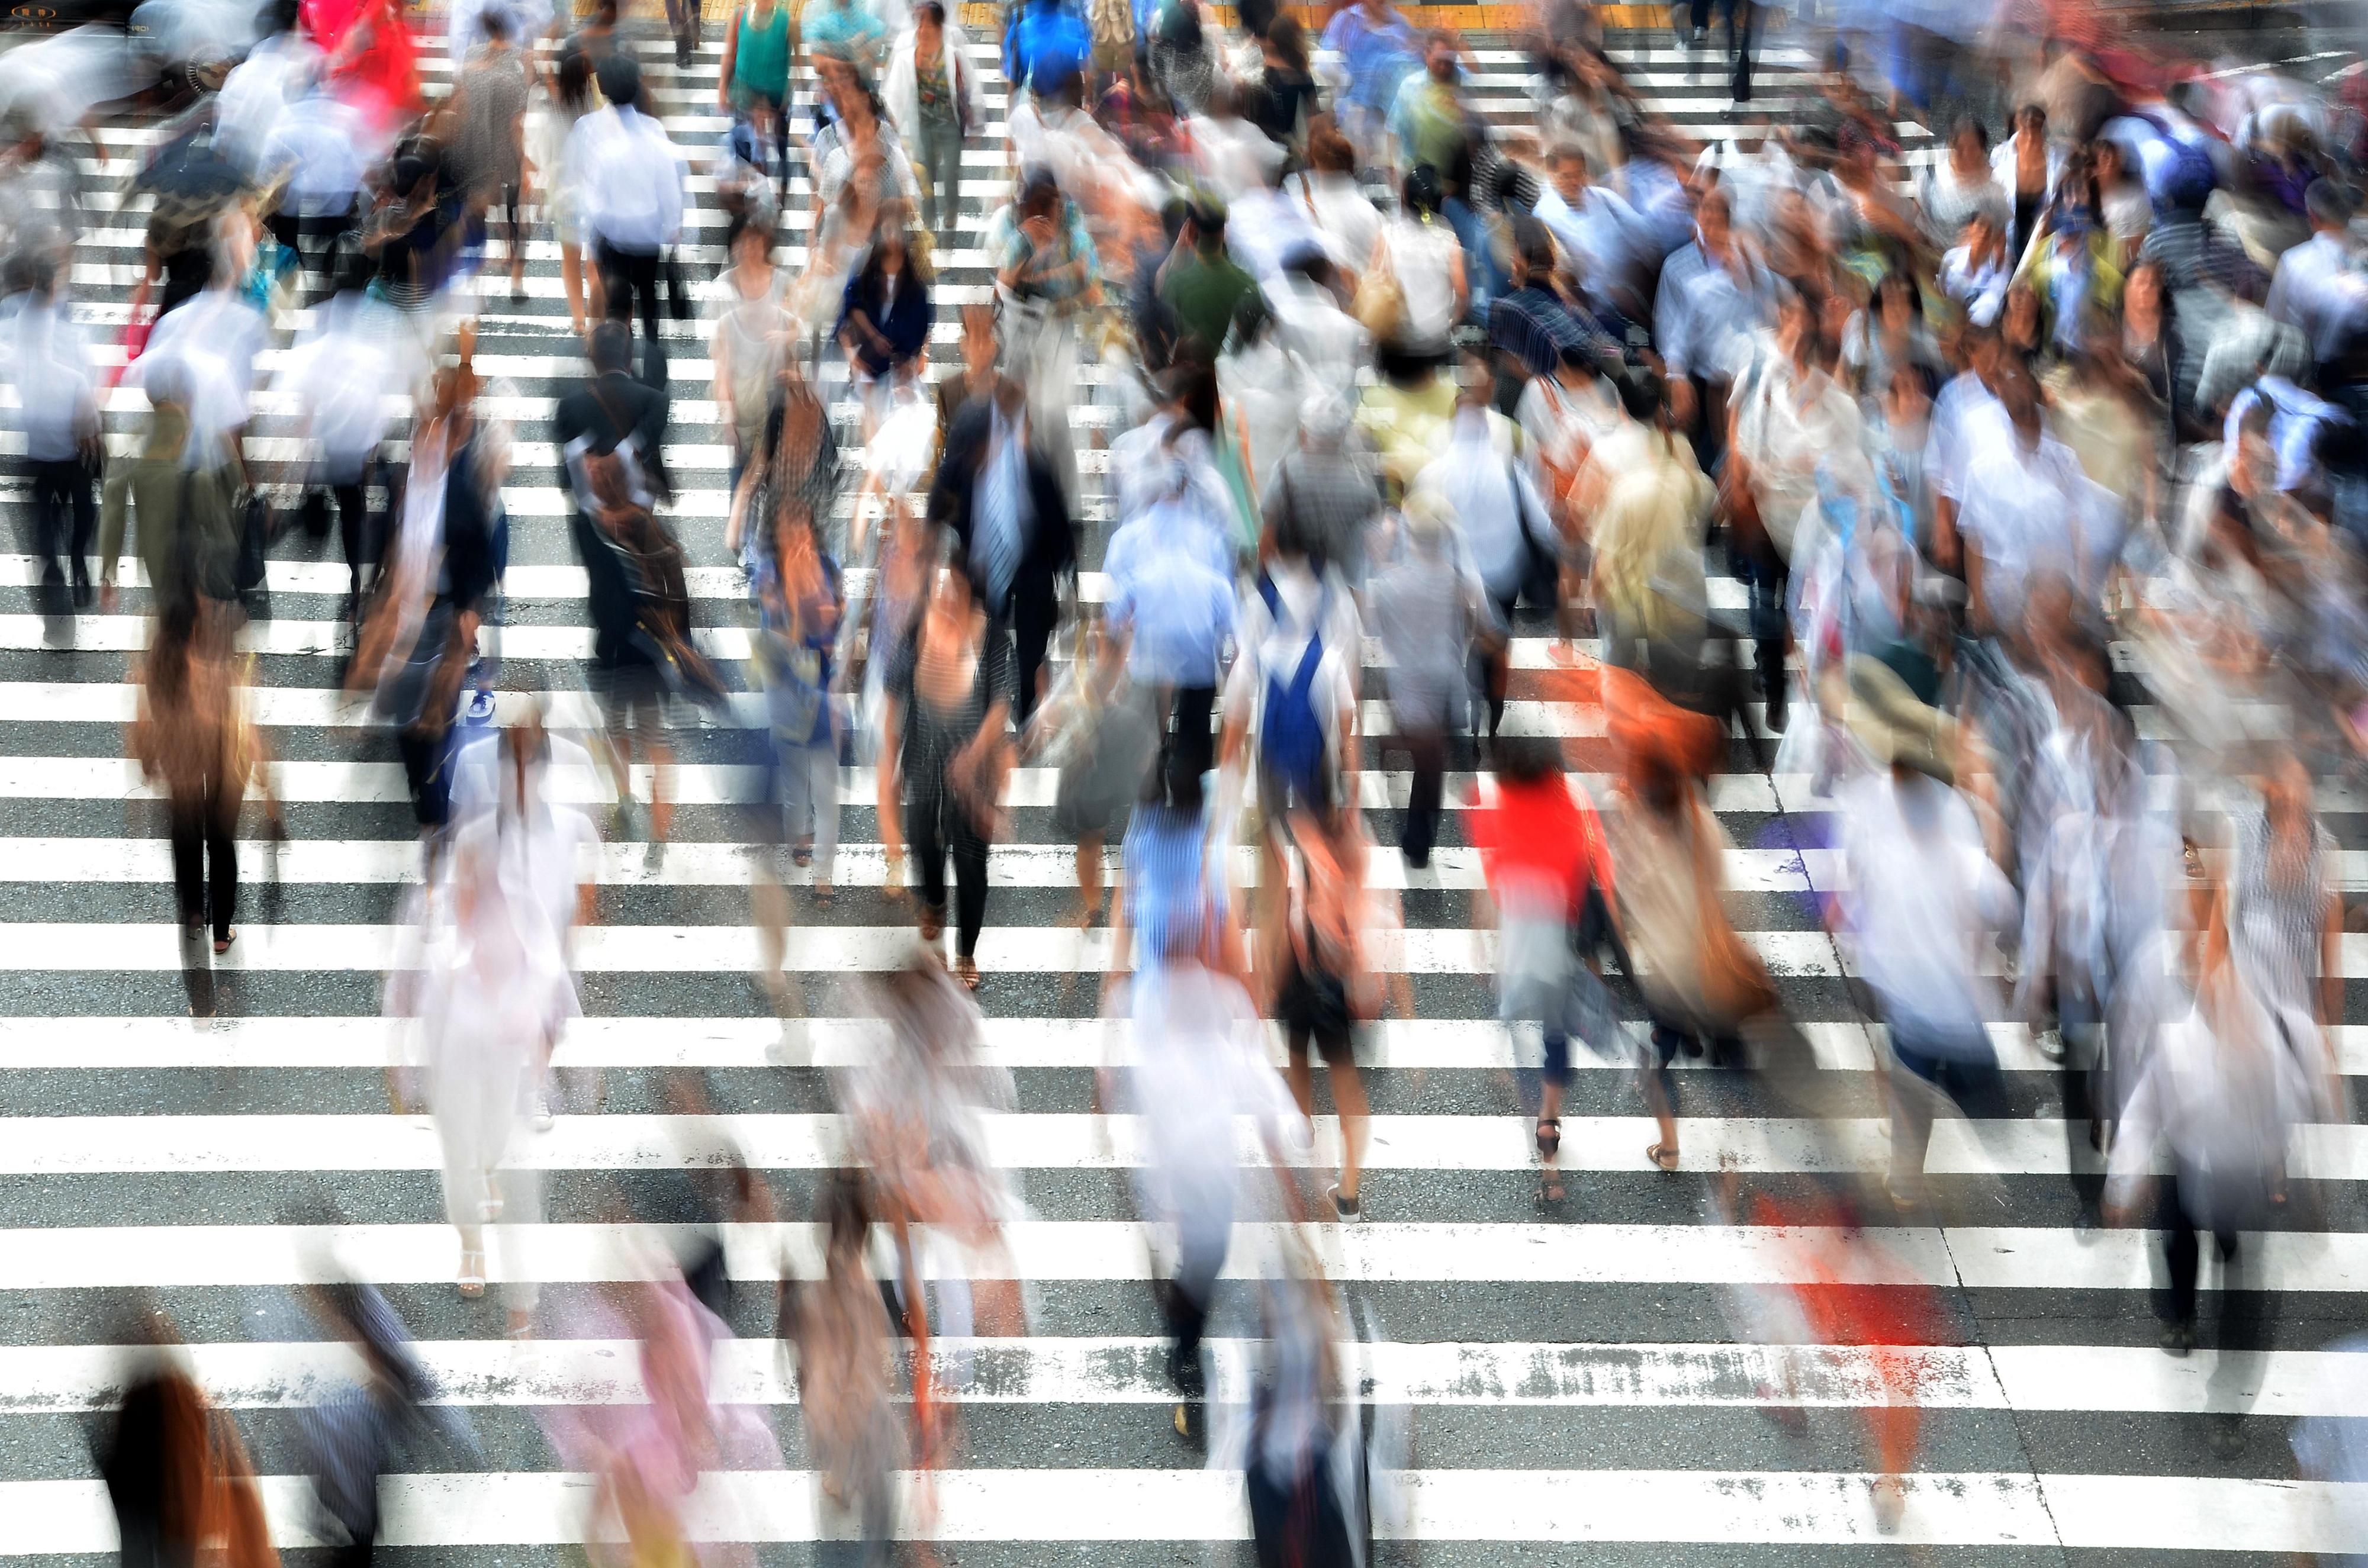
(966, 971)
(473, 1272)
(1663, 1156)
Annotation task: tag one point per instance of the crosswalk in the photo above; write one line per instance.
(1583, 1385)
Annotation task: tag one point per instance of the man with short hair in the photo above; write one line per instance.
(1209, 294)
(633, 200)
(2319, 289)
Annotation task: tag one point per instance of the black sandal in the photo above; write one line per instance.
(1549, 1136)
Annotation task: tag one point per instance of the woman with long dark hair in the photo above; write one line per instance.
(883, 322)
(191, 735)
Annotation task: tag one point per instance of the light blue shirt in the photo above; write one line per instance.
(1602, 234)
(1173, 595)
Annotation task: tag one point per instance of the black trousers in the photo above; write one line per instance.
(65, 515)
(631, 279)
(317, 239)
(938, 829)
(1033, 621)
(1740, 13)
(1184, 733)
(355, 532)
(205, 859)
(1427, 751)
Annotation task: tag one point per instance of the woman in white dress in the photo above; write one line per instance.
(498, 990)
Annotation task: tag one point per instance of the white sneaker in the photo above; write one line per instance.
(539, 1112)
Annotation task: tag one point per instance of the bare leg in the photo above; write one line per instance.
(1348, 1096)
(661, 788)
(1089, 878)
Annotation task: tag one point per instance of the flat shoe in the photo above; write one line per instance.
(221, 944)
(1663, 1156)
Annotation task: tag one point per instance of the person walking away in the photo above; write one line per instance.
(341, 379)
(57, 406)
(883, 323)
(632, 204)
(1201, 1070)
(350, 1438)
(1323, 498)
(174, 502)
(1171, 609)
(1426, 608)
(1668, 852)
(178, 1479)
(1297, 650)
(932, 97)
(754, 83)
(943, 755)
(1549, 869)
(1324, 953)
(1923, 897)
(564, 178)
(193, 736)
(997, 491)
(490, 141)
(608, 432)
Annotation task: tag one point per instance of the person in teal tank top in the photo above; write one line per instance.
(755, 81)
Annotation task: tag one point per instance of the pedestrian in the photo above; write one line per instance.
(608, 432)
(754, 82)
(490, 141)
(58, 412)
(1427, 607)
(1047, 274)
(801, 599)
(839, 1333)
(564, 179)
(1923, 897)
(179, 1480)
(932, 96)
(633, 204)
(1095, 730)
(752, 328)
(883, 323)
(997, 492)
(1668, 852)
(342, 377)
(947, 701)
(193, 736)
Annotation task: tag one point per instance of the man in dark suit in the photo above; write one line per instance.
(997, 492)
(610, 405)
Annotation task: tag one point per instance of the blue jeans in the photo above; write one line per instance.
(1958, 1064)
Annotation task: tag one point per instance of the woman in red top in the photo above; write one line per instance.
(372, 57)
(1549, 869)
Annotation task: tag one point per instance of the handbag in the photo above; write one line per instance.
(1380, 303)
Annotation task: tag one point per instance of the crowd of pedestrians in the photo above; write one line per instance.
(1357, 365)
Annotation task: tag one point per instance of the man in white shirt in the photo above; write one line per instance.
(633, 200)
(2026, 514)
(58, 411)
(1597, 229)
(1714, 296)
(274, 73)
(2319, 289)
(1923, 898)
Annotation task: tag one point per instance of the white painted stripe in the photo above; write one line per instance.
(57, 702)
(177, 1144)
(70, 1380)
(151, 946)
(361, 861)
(1717, 1507)
(2031, 1258)
(705, 784)
(102, 1044)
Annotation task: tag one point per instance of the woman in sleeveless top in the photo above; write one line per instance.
(943, 754)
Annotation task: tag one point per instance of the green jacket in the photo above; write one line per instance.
(162, 499)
